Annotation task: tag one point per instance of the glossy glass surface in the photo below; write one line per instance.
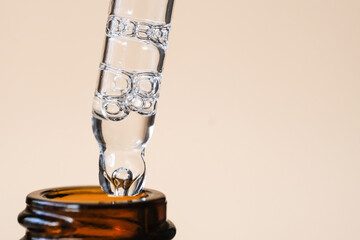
(88, 213)
(127, 92)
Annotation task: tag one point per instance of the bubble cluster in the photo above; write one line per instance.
(158, 34)
(123, 92)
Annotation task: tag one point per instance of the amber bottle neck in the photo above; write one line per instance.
(87, 213)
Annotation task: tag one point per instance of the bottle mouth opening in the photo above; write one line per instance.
(91, 194)
(88, 197)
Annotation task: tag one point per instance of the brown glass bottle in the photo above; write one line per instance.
(88, 213)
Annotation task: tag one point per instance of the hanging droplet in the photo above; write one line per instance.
(122, 179)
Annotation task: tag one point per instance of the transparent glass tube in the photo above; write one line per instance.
(127, 91)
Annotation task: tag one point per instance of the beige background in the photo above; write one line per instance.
(258, 131)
